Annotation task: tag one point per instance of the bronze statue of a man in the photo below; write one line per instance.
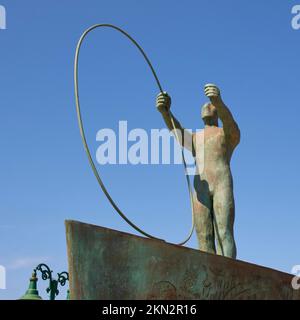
(213, 199)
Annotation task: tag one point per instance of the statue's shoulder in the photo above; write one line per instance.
(199, 132)
(198, 136)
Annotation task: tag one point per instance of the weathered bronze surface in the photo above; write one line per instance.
(212, 148)
(107, 264)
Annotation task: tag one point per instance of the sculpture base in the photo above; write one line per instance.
(105, 264)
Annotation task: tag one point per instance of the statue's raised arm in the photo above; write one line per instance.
(230, 127)
(163, 105)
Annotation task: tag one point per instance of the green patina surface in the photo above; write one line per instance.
(108, 264)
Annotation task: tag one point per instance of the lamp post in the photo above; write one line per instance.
(32, 292)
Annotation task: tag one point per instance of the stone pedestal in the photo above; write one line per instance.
(105, 264)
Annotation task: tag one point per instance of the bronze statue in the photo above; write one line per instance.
(213, 198)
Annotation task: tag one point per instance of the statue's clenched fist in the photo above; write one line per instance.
(212, 92)
(163, 102)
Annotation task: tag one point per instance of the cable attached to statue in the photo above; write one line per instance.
(87, 150)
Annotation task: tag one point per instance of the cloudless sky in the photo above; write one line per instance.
(246, 47)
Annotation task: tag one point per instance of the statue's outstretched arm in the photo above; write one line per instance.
(163, 104)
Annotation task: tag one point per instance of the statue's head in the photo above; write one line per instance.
(209, 114)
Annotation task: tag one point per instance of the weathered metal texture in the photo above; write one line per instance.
(108, 264)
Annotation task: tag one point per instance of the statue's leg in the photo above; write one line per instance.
(223, 212)
(202, 203)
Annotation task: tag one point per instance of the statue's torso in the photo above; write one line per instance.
(213, 155)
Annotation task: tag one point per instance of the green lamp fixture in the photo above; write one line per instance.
(32, 292)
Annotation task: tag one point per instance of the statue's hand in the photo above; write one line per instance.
(163, 102)
(213, 93)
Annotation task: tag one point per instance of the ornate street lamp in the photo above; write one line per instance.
(32, 292)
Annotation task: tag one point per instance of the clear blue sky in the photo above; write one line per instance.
(248, 48)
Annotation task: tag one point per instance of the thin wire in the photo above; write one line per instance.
(82, 133)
